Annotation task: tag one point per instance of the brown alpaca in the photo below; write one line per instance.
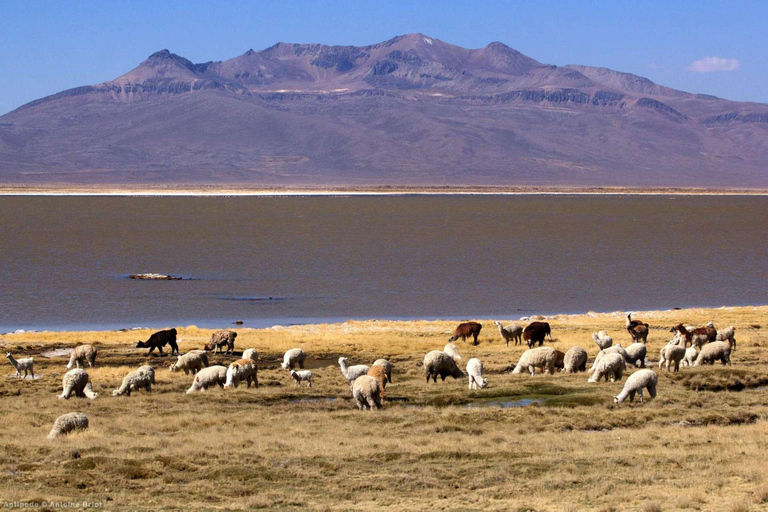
(380, 374)
(698, 337)
(465, 330)
(637, 329)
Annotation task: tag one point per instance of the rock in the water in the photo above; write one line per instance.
(158, 277)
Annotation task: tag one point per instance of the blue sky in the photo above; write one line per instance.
(49, 46)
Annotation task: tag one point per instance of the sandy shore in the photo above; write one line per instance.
(248, 190)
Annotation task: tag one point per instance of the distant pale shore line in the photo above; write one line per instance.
(671, 316)
(216, 191)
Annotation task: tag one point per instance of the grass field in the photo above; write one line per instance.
(698, 446)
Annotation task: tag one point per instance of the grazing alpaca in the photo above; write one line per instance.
(465, 330)
(220, 340)
(602, 339)
(158, 340)
(28, 365)
(80, 355)
(637, 329)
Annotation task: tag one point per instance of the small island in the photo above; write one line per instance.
(156, 277)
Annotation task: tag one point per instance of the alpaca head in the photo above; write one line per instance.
(342, 361)
(8, 355)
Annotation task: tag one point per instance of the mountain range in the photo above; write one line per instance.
(412, 110)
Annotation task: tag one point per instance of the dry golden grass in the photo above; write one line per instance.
(698, 446)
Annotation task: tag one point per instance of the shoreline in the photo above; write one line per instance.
(332, 191)
(337, 322)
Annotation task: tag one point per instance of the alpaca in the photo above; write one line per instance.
(637, 329)
(80, 355)
(27, 365)
(352, 372)
(510, 332)
(697, 337)
(302, 375)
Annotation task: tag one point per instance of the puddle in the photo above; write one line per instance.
(58, 352)
(28, 377)
(505, 404)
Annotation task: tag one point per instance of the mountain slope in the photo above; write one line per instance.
(412, 110)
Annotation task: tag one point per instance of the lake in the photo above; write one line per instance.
(277, 260)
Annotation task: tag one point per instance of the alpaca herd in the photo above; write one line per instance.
(689, 347)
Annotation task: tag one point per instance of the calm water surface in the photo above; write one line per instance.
(65, 260)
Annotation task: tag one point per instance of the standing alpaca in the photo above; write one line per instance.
(671, 354)
(535, 332)
(637, 329)
(697, 337)
(27, 365)
(510, 332)
(352, 372)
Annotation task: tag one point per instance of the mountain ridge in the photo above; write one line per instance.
(409, 110)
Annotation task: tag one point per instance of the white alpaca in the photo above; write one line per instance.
(602, 339)
(453, 351)
(67, 423)
(81, 354)
(242, 370)
(637, 352)
(193, 361)
(209, 377)
(352, 372)
(540, 357)
(575, 360)
(144, 377)
(27, 364)
(293, 357)
(615, 349)
(76, 381)
(302, 376)
(475, 373)
(671, 354)
(690, 356)
(727, 334)
(250, 353)
(366, 392)
(635, 384)
(510, 332)
(611, 366)
(715, 351)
